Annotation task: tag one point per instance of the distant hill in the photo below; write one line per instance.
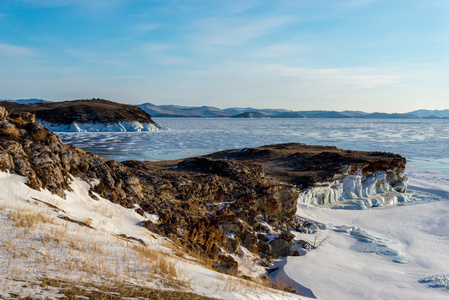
(251, 115)
(249, 112)
(290, 114)
(182, 111)
(268, 112)
(179, 111)
(26, 101)
(388, 116)
(424, 113)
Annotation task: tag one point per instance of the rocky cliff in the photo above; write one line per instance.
(223, 205)
(86, 115)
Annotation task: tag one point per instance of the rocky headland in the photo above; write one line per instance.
(86, 115)
(225, 205)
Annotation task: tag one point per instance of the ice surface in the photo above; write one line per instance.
(375, 254)
(100, 127)
(414, 139)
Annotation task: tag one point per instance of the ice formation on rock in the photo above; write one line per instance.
(358, 191)
(101, 127)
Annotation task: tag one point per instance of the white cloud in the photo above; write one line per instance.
(15, 51)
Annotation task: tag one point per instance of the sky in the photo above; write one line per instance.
(369, 55)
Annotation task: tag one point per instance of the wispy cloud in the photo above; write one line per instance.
(144, 28)
(276, 51)
(94, 58)
(343, 78)
(97, 4)
(232, 31)
(270, 85)
(154, 47)
(238, 6)
(356, 3)
(15, 51)
(160, 54)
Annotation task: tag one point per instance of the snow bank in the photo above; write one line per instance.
(101, 127)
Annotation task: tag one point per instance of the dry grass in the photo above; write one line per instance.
(27, 218)
(39, 135)
(19, 121)
(104, 210)
(229, 282)
(11, 132)
(182, 250)
(72, 290)
(159, 262)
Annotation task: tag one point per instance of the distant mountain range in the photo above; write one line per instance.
(177, 111)
(159, 111)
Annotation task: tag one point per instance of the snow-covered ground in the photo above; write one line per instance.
(84, 241)
(396, 252)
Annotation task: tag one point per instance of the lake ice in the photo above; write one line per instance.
(393, 252)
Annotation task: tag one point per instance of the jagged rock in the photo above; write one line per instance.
(265, 248)
(282, 247)
(226, 264)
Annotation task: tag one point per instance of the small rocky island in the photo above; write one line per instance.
(87, 115)
(226, 205)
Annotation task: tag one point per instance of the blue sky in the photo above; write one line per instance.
(370, 55)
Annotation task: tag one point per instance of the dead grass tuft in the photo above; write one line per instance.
(182, 250)
(25, 218)
(19, 121)
(160, 263)
(38, 135)
(71, 290)
(11, 132)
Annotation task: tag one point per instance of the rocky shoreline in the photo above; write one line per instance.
(225, 205)
(86, 115)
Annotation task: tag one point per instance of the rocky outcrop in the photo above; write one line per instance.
(87, 115)
(329, 176)
(216, 204)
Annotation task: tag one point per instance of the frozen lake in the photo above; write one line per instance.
(423, 142)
